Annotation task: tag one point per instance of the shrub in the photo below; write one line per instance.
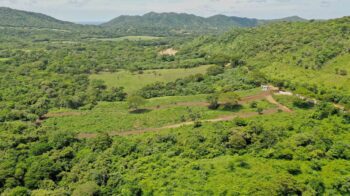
(215, 70)
(88, 189)
(213, 101)
(135, 102)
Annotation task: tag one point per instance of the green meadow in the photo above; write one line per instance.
(158, 112)
(135, 81)
(325, 77)
(130, 38)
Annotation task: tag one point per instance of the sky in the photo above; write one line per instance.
(104, 10)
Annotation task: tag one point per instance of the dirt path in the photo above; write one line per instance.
(62, 114)
(259, 96)
(270, 99)
(264, 95)
(243, 100)
(148, 130)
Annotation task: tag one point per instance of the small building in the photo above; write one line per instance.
(265, 87)
(285, 93)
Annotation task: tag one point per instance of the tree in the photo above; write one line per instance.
(324, 110)
(18, 191)
(114, 94)
(342, 185)
(88, 189)
(237, 141)
(230, 100)
(215, 70)
(343, 72)
(135, 102)
(253, 104)
(260, 110)
(102, 142)
(213, 101)
(300, 103)
(197, 124)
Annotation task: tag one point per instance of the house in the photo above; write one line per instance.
(285, 93)
(265, 87)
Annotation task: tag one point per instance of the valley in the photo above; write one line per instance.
(174, 104)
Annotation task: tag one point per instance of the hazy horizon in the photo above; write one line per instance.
(82, 11)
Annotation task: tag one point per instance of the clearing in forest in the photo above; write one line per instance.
(135, 81)
(158, 114)
(169, 51)
(130, 38)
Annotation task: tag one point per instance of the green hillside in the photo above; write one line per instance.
(304, 56)
(252, 111)
(174, 23)
(17, 18)
(149, 24)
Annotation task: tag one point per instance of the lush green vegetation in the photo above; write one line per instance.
(310, 58)
(83, 112)
(151, 24)
(130, 38)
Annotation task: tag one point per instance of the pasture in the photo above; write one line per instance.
(158, 112)
(130, 38)
(4, 59)
(135, 81)
(325, 77)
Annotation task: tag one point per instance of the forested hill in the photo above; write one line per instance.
(17, 18)
(304, 56)
(175, 22)
(159, 24)
(183, 23)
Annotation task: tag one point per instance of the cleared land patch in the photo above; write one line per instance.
(325, 77)
(130, 38)
(169, 51)
(4, 59)
(134, 81)
(115, 118)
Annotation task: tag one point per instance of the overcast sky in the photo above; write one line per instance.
(104, 10)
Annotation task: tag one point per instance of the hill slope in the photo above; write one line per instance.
(302, 56)
(18, 18)
(182, 23)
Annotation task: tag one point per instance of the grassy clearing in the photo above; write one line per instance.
(326, 76)
(4, 59)
(107, 117)
(130, 38)
(133, 82)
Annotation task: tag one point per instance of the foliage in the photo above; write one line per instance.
(135, 102)
(50, 99)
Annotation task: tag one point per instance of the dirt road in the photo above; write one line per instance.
(173, 126)
(264, 95)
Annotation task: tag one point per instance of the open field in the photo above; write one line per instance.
(130, 38)
(166, 112)
(325, 77)
(107, 117)
(4, 59)
(133, 81)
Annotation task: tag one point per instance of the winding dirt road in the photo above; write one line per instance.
(264, 95)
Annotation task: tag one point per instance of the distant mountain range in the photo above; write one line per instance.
(189, 21)
(151, 23)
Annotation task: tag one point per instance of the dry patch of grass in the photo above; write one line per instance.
(169, 52)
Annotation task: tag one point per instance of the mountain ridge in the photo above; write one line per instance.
(21, 18)
(152, 23)
(233, 19)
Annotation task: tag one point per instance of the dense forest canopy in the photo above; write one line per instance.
(78, 118)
